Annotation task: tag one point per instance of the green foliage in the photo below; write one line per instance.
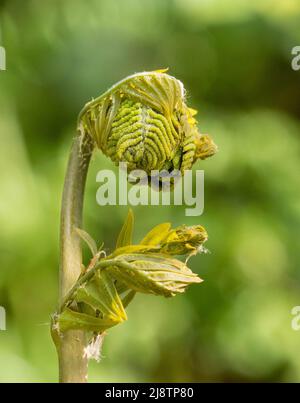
(99, 291)
(88, 240)
(70, 319)
(101, 294)
(125, 236)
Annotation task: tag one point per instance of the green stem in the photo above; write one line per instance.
(83, 279)
(73, 366)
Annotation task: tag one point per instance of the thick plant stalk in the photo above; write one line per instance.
(73, 365)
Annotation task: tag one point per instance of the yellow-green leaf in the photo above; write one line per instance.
(153, 274)
(69, 319)
(88, 240)
(128, 298)
(125, 236)
(100, 293)
(157, 234)
(162, 70)
(133, 249)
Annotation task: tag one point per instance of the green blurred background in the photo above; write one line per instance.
(234, 58)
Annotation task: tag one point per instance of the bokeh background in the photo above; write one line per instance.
(234, 57)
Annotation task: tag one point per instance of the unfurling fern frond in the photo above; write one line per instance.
(144, 121)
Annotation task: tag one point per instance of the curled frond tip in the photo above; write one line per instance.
(144, 121)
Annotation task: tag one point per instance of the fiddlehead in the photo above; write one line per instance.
(145, 122)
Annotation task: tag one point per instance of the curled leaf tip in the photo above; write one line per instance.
(205, 147)
(184, 240)
(144, 121)
(178, 241)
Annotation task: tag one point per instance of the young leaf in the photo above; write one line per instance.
(133, 249)
(88, 240)
(107, 291)
(101, 294)
(125, 236)
(121, 287)
(156, 274)
(157, 234)
(128, 298)
(69, 319)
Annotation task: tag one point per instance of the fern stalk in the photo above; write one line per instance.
(73, 366)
